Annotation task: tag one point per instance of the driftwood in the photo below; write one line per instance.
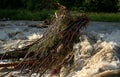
(55, 48)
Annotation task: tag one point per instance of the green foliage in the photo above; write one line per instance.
(86, 5)
(47, 14)
(72, 4)
(118, 5)
(94, 16)
(101, 5)
(11, 4)
(42, 9)
(26, 14)
(108, 17)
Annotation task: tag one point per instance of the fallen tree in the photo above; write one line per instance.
(55, 48)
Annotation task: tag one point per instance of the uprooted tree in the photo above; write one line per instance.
(55, 49)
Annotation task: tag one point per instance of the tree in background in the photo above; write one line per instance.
(118, 5)
(85, 5)
(72, 4)
(11, 4)
(39, 4)
(108, 5)
(101, 5)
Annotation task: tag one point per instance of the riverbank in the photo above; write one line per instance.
(6, 14)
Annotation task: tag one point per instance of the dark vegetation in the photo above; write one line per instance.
(85, 5)
(42, 9)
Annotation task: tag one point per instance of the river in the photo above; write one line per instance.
(105, 35)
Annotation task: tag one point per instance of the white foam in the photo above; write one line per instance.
(34, 36)
(106, 45)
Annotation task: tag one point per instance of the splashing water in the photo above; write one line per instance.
(34, 36)
(96, 57)
(95, 53)
(92, 57)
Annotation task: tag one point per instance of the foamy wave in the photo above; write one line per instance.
(94, 57)
(34, 36)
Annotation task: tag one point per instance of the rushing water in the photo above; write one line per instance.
(97, 51)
